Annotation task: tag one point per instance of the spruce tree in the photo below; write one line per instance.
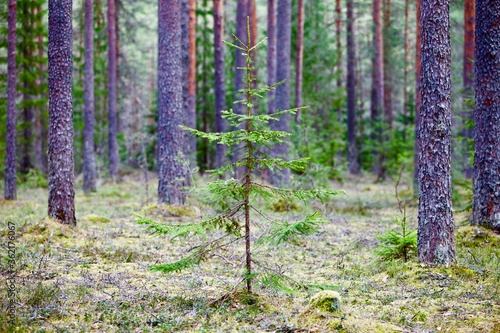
(238, 197)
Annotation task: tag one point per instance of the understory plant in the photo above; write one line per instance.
(252, 138)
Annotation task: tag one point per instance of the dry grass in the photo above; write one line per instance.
(95, 277)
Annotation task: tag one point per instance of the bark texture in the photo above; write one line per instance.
(486, 202)
(172, 171)
(299, 58)
(188, 30)
(220, 89)
(112, 112)
(271, 53)
(387, 55)
(435, 218)
(352, 151)
(284, 19)
(418, 67)
(61, 164)
(10, 189)
(468, 76)
(89, 160)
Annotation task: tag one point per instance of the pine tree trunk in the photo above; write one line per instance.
(188, 28)
(171, 168)
(271, 53)
(468, 76)
(89, 160)
(10, 190)
(112, 74)
(387, 56)
(418, 67)
(220, 85)
(486, 202)
(435, 217)
(352, 151)
(38, 150)
(338, 20)
(377, 87)
(61, 163)
(406, 62)
(299, 58)
(284, 20)
(252, 13)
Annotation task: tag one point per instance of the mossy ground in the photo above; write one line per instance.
(95, 277)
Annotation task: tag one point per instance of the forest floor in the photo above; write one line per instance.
(95, 277)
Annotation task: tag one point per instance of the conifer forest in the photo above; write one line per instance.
(250, 166)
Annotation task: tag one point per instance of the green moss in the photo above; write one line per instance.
(326, 300)
(96, 218)
(474, 236)
(282, 205)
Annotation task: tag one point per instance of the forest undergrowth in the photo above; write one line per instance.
(95, 277)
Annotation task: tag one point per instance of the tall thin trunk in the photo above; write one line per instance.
(338, 20)
(377, 86)
(406, 62)
(486, 202)
(435, 216)
(284, 16)
(205, 90)
(252, 14)
(387, 56)
(61, 163)
(352, 151)
(468, 72)
(418, 67)
(112, 75)
(38, 145)
(89, 160)
(220, 88)
(271, 52)
(10, 190)
(172, 172)
(299, 58)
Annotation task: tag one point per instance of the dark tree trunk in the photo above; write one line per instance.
(171, 138)
(284, 19)
(40, 153)
(418, 67)
(406, 62)
(299, 56)
(468, 73)
(10, 192)
(387, 56)
(220, 85)
(188, 28)
(435, 217)
(61, 164)
(352, 151)
(338, 20)
(377, 103)
(89, 160)
(112, 113)
(486, 202)
(271, 52)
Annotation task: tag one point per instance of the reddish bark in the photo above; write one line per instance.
(252, 13)
(435, 216)
(10, 190)
(352, 151)
(61, 164)
(468, 75)
(172, 171)
(112, 74)
(377, 102)
(387, 55)
(271, 52)
(486, 202)
(299, 56)
(89, 160)
(220, 89)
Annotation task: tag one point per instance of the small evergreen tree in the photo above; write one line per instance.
(239, 195)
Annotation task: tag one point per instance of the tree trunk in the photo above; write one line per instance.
(220, 85)
(352, 151)
(89, 160)
(406, 62)
(61, 163)
(338, 20)
(435, 217)
(10, 192)
(171, 168)
(418, 67)
(486, 202)
(188, 28)
(387, 56)
(284, 18)
(252, 13)
(299, 56)
(377, 87)
(468, 73)
(271, 53)
(112, 112)
(40, 155)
